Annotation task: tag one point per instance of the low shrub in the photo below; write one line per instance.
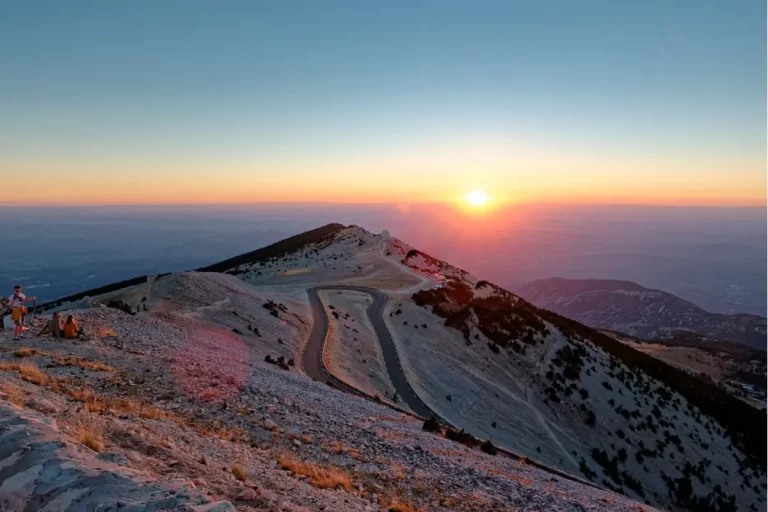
(121, 305)
(460, 436)
(431, 425)
(489, 448)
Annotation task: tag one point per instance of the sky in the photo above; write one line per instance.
(651, 102)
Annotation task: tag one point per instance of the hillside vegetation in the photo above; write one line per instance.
(627, 307)
(543, 385)
(202, 383)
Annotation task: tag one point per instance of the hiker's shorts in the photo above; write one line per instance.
(19, 322)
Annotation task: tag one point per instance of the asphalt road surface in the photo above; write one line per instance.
(312, 360)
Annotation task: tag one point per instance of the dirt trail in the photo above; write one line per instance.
(216, 306)
(423, 280)
(545, 426)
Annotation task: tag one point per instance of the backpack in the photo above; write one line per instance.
(19, 311)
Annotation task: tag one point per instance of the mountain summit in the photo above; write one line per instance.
(346, 370)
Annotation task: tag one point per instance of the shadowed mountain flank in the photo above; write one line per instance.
(643, 312)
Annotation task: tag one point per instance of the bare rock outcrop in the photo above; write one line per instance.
(42, 469)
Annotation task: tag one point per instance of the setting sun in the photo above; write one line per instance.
(477, 198)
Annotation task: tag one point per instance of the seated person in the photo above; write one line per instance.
(70, 328)
(53, 326)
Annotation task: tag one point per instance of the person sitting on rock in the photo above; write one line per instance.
(53, 326)
(71, 331)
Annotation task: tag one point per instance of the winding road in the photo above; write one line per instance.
(312, 360)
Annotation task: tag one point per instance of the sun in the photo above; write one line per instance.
(477, 198)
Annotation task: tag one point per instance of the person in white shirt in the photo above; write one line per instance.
(18, 311)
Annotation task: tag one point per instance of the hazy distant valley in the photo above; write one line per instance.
(689, 252)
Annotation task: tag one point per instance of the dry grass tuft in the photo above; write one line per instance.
(240, 473)
(101, 404)
(321, 477)
(355, 455)
(399, 471)
(14, 394)
(403, 506)
(27, 371)
(392, 436)
(213, 429)
(25, 352)
(236, 435)
(85, 364)
(104, 332)
(335, 448)
(93, 402)
(146, 412)
(31, 373)
(91, 436)
(398, 504)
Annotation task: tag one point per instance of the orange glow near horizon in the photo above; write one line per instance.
(88, 194)
(515, 177)
(384, 104)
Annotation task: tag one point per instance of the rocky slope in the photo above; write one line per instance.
(737, 368)
(547, 387)
(179, 404)
(41, 469)
(630, 308)
(184, 391)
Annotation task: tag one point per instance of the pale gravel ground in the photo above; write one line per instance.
(165, 360)
(439, 365)
(508, 388)
(185, 358)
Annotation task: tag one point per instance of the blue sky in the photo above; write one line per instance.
(268, 81)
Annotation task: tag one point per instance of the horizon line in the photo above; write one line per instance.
(11, 204)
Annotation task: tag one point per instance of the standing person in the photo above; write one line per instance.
(18, 311)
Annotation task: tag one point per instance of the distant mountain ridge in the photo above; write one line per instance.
(643, 312)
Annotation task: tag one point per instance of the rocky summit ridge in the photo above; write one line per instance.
(203, 401)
